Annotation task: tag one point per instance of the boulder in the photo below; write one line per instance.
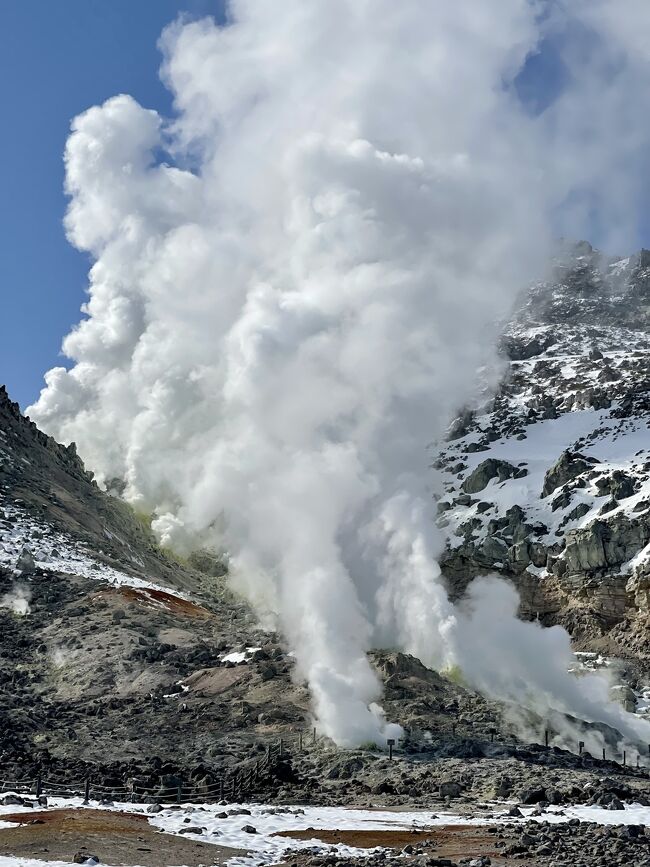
(12, 801)
(578, 512)
(538, 554)
(532, 795)
(605, 544)
(567, 467)
(638, 588)
(493, 550)
(521, 348)
(519, 556)
(25, 564)
(618, 485)
(491, 468)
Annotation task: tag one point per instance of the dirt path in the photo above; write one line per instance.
(115, 838)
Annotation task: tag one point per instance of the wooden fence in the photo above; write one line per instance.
(244, 780)
(233, 784)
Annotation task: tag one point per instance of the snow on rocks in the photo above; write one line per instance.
(27, 543)
(237, 657)
(551, 477)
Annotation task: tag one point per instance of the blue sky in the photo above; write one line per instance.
(57, 59)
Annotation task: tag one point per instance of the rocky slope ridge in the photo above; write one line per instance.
(116, 659)
(113, 655)
(548, 483)
(110, 651)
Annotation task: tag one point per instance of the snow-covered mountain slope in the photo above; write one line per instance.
(51, 508)
(548, 483)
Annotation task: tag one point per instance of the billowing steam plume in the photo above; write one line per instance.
(295, 282)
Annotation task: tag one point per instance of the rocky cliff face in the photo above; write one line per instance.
(548, 483)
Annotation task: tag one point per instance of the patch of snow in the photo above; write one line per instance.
(239, 656)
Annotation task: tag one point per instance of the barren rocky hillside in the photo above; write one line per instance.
(116, 656)
(118, 660)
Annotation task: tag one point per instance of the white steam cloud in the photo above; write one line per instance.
(17, 600)
(294, 284)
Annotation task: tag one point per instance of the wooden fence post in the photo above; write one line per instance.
(87, 790)
(178, 793)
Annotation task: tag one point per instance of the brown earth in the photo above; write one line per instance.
(158, 599)
(119, 839)
(452, 841)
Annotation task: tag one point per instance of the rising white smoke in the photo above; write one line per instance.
(295, 282)
(17, 600)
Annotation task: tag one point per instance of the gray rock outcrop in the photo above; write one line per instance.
(569, 466)
(606, 544)
(487, 470)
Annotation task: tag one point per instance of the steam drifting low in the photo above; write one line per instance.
(295, 281)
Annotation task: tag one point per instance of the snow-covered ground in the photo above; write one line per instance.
(10, 861)
(264, 848)
(58, 552)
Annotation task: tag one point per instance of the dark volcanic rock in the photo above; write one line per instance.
(487, 470)
(569, 466)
